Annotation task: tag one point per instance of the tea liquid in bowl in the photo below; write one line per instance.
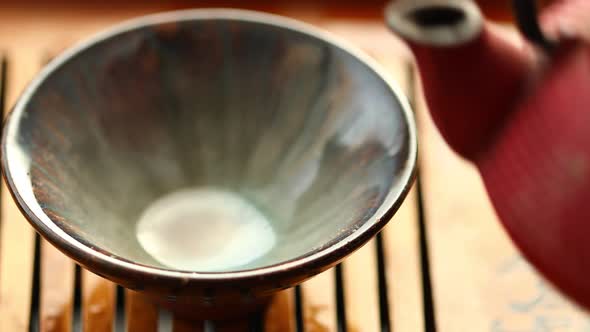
(204, 230)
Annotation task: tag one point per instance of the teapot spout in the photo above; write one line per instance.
(472, 76)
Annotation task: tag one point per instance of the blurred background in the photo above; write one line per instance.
(446, 263)
(499, 9)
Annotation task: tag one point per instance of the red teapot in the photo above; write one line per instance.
(521, 112)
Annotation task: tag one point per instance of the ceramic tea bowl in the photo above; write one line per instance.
(209, 158)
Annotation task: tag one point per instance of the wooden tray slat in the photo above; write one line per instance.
(280, 316)
(142, 315)
(56, 290)
(402, 268)
(318, 297)
(401, 236)
(98, 303)
(15, 270)
(361, 290)
(17, 238)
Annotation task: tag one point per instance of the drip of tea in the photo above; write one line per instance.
(204, 230)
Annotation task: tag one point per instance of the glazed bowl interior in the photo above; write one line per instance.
(208, 144)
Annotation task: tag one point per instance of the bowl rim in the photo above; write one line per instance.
(320, 259)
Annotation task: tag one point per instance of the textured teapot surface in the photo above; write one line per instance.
(522, 115)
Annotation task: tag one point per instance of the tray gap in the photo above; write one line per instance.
(340, 299)
(34, 320)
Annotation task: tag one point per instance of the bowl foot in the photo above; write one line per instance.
(196, 309)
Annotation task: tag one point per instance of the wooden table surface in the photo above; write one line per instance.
(443, 262)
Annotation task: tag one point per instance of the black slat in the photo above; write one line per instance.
(120, 319)
(429, 316)
(77, 307)
(35, 292)
(382, 284)
(340, 296)
(256, 323)
(299, 309)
